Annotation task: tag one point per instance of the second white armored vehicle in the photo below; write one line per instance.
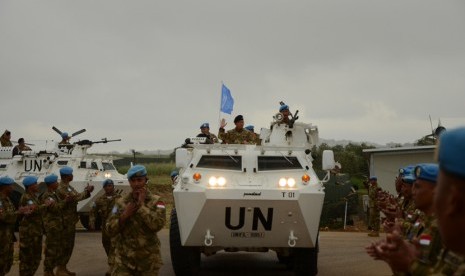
(255, 198)
(50, 158)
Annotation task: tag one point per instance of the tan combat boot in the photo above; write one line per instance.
(63, 271)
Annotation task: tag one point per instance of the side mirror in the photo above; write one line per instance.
(328, 160)
(182, 158)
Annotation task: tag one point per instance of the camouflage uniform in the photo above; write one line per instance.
(5, 142)
(7, 223)
(410, 215)
(211, 138)
(236, 137)
(30, 236)
(426, 230)
(374, 220)
(53, 225)
(102, 207)
(449, 263)
(70, 218)
(137, 248)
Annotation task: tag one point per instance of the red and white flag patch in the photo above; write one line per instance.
(160, 204)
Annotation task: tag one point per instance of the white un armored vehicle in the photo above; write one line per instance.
(254, 198)
(51, 157)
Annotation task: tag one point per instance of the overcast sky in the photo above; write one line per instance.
(150, 72)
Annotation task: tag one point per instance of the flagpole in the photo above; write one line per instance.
(219, 111)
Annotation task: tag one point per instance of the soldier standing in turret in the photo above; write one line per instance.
(5, 139)
(205, 132)
(102, 207)
(71, 197)
(237, 135)
(20, 147)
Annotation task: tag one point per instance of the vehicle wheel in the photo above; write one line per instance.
(305, 261)
(185, 259)
(286, 260)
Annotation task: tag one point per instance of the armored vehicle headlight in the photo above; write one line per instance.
(212, 181)
(107, 175)
(291, 182)
(221, 181)
(305, 178)
(282, 182)
(197, 177)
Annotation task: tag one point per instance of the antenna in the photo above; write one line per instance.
(431, 123)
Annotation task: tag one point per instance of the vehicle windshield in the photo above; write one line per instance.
(278, 163)
(108, 166)
(224, 162)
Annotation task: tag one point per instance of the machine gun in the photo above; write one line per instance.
(90, 143)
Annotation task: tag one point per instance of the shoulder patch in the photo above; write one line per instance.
(114, 210)
(160, 204)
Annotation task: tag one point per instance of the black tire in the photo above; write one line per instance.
(286, 260)
(185, 259)
(305, 261)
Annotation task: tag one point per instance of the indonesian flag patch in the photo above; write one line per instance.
(160, 204)
(425, 239)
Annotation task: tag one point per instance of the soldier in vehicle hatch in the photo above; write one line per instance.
(237, 135)
(205, 132)
(5, 139)
(20, 147)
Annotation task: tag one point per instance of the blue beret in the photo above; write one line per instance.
(137, 170)
(6, 180)
(427, 171)
(283, 107)
(66, 170)
(50, 179)
(451, 151)
(174, 173)
(205, 125)
(29, 180)
(249, 127)
(373, 178)
(406, 170)
(409, 178)
(107, 181)
(64, 135)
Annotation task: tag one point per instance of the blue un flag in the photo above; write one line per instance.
(227, 101)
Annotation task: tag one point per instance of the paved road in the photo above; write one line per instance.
(341, 253)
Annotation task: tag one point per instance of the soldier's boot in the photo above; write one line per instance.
(63, 271)
(373, 234)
